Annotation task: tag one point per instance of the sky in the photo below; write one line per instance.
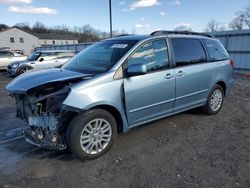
(139, 16)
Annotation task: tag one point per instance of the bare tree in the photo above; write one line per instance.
(39, 27)
(246, 16)
(213, 26)
(3, 26)
(237, 23)
(24, 26)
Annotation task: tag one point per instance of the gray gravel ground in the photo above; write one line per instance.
(187, 150)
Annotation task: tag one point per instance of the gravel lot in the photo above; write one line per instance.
(187, 150)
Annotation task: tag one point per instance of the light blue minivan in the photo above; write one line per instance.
(120, 83)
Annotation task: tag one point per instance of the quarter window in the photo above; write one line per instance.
(154, 54)
(188, 51)
(215, 50)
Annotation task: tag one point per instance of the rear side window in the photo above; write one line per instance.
(6, 54)
(188, 51)
(215, 50)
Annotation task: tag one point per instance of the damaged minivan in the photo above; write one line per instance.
(120, 83)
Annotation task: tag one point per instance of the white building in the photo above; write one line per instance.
(17, 39)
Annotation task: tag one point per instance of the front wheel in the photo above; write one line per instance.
(23, 70)
(91, 134)
(215, 101)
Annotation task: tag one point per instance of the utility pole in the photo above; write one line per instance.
(110, 18)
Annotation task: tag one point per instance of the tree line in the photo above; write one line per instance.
(85, 33)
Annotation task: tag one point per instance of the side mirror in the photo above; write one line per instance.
(136, 70)
(41, 59)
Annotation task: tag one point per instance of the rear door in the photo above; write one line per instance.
(193, 73)
(150, 96)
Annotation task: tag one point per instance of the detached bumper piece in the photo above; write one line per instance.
(47, 139)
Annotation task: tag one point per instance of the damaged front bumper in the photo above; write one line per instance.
(45, 117)
(49, 140)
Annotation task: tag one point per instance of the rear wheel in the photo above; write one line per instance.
(91, 134)
(215, 101)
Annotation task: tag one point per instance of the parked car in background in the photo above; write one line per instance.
(7, 57)
(19, 52)
(40, 60)
(120, 83)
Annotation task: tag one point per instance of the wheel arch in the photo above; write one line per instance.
(223, 85)
(115, 113)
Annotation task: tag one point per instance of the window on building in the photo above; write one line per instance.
(21, 40)
(188, 51)
(67, 42)
(12, 40)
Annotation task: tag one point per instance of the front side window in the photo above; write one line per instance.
(153, 54)
(215, 50)
(188, 51)
(34, 56)
(100, 57)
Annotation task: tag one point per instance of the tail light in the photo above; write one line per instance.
(232, 63)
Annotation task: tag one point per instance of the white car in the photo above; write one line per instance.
(7, 57)
(40, 60)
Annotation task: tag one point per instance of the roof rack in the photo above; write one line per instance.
(163, 32)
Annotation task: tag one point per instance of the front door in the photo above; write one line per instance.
(150, 96)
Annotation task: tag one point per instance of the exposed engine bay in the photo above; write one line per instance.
(42, 109)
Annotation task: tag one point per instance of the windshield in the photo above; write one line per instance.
(34, 56)
(99, 57)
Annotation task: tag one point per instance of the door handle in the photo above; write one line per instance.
(169, 76)
(180, 73)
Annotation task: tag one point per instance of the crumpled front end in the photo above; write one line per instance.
(39, 99)
(42, 110)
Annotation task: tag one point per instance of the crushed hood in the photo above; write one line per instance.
(32, 79)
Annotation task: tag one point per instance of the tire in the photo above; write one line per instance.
(214, 105)
(23, 70)
(79, 134)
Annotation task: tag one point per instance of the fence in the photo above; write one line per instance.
(237, 44)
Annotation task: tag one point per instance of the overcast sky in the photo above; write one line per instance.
(143, 16)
